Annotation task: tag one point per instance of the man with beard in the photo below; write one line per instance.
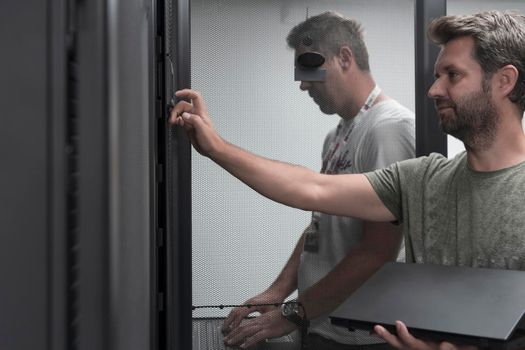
(466, 211)
(334, 255)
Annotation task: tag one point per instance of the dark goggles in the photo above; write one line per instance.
(307, 67)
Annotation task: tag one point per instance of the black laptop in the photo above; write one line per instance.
(475, 306)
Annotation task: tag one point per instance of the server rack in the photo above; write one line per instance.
(429, 137)
(74, 275)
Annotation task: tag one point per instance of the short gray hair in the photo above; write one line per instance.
(499, 39)
(327, 33)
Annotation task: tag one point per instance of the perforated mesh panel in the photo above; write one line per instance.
(243, 68)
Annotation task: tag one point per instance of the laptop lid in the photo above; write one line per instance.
(461, 304)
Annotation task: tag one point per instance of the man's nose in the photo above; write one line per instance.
(436, 90)
(305, 85)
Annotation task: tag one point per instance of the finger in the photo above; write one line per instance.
(226, 325)
(388, 337)
(187, 120)
(189, 129)
(180, 108)
(236, 333)
(196, 98)
(237, 320)
(177, 121)
(239, 334)
(187, 126)
(234, 318)
(255, 338)
(447, 346)
(409, 340)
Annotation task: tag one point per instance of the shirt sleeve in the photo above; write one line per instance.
(401, 185)
(386, 183)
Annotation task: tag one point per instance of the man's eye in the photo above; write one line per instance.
(453, 75)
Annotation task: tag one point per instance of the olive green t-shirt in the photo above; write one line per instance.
(453, 215)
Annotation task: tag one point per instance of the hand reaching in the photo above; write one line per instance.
(270, 324)
(405, 340)
(193, 117)
(235, 317)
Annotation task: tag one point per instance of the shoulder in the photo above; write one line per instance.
(431, 165)
(389, 125)
(391, 118)
(391, 108)
(390, 112)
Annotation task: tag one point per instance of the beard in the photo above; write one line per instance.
(472, 119)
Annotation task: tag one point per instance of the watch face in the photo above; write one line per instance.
(287, 309)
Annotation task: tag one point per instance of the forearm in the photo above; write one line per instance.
(299, 187)
(359, 264)
(285, 183)
(286, 281)
(295, 186)
(331, 291)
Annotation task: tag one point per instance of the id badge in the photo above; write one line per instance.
(311, 237)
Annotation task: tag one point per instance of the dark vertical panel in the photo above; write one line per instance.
(93, 236)
(429, 137)
(179, 191)
(58, 109)
(24, 174)
(130, 59)
(158, 262)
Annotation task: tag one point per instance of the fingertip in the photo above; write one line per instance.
(179, 121)
(246, 343)
(378, 330)
(446, 346)
(183, 92)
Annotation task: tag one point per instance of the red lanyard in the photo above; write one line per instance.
(334, 159)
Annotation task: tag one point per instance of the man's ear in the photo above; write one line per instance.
(507, 77)
(346, 57)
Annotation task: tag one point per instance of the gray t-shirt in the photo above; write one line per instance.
(453, 215)
(382, 136)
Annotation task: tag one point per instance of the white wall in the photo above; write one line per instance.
(243, 68)
(457, 7)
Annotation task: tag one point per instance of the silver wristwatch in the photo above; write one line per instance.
(293, 311)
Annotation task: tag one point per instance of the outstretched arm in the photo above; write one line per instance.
(299, 187)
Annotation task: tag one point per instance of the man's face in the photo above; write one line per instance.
(322, 92)
(462, 97)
